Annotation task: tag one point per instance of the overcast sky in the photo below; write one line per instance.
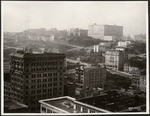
(18, 16)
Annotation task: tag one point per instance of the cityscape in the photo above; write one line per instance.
(97, 69)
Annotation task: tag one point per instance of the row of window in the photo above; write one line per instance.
(44, 69)
(43, 96)
(44, 85)
(44, 59)
(43, 75)
(43, 80)
(84, 110)
(45, 63)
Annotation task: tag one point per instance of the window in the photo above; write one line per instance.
(44, 80)
(54, 84)
(39, 96)
(33, 81)
(44, 95)
(49, 111)
(32, 86)
(55, 89)
(32, 92)
(43, 109)
(55, 79)
(49, 90)
(49, 74)
(49, 80)
(85, 110)
(50, 84)
(38, 80)
(111, 59)
(44, 90)
(27, 76)
(38, 91)
(39, 86)
(78, 107)
(44, 85)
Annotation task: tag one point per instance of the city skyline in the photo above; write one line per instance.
(64, 15)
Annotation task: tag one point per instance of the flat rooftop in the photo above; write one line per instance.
(11, 104)
(114, 101)
(64, 104)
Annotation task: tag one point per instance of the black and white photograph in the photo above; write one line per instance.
(74, 57)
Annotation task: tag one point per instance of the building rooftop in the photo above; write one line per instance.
(114, 101)
(62, 103)
(22, 54)
(11, 104)
(66, 104)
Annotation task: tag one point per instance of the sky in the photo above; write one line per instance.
(20, 15)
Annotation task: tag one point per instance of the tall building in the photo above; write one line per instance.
(88, 78)
(36, 76)
(114, 59)
(107, 32)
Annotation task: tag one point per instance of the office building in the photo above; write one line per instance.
(90, 77)
(36, 76)
(114, 59)
(105, 32)
(67, 104)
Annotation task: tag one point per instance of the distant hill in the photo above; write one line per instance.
(83, 41)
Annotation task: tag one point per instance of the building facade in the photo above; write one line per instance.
(125, 52)
(89, 77)
(108, 31)
(7, 91)
(36, 76)
(138, 80)
(67, 104)
(69, 89)
(114, 59)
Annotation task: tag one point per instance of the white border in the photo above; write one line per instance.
(147, 77)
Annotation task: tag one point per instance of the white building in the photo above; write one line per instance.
(105, 32)
(123, 43)
(114, 59)
(67, 104)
